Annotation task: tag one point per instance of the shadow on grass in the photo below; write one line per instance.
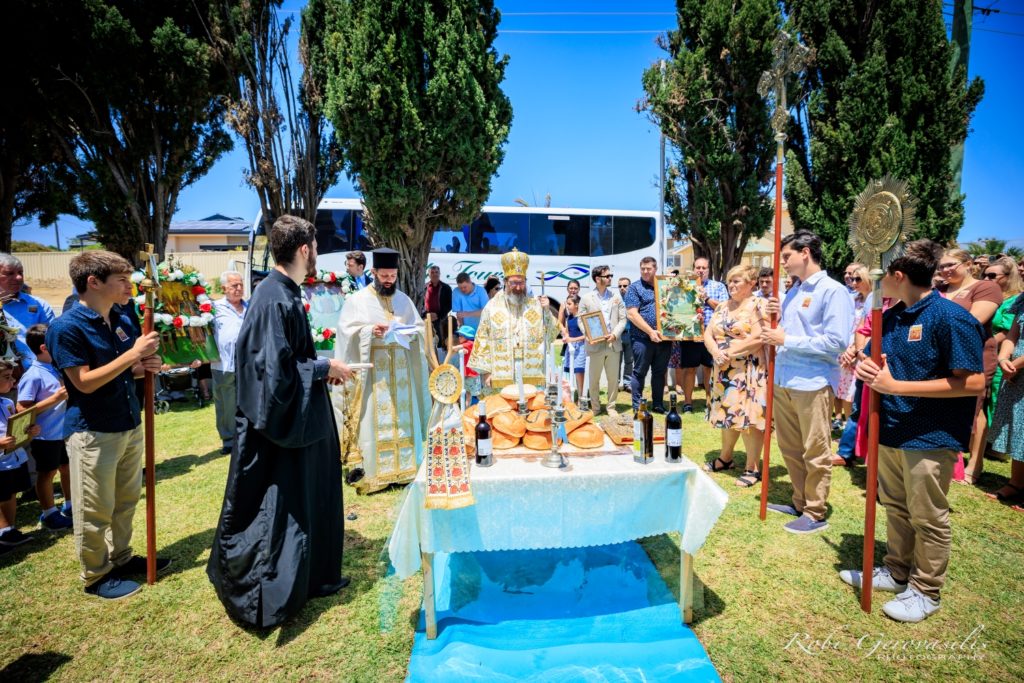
(360, 563)
(41, 541)
(183, 464)
(664, 553)
(34, 666)
(850, 550)
(185, 552)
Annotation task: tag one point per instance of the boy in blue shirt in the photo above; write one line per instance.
(929, 381)
(13, 464)
(96, 347)
(40, 389)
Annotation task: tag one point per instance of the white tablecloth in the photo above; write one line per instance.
(523, 505)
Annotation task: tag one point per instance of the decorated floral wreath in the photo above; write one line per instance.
(324, 336)
(183, 313)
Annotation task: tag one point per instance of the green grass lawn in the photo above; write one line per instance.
(761, 589)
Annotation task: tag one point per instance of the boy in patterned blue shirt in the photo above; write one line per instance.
(13, 464)
(929, 381)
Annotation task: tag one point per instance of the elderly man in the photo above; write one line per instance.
(380, 325)
(512, 330)
(22, 310)
(228, 314)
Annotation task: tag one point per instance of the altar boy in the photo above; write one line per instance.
(930, 378)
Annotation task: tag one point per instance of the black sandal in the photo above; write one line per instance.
(1007, 498)
(713, 466)
(748, 478)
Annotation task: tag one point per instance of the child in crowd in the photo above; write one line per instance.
(576, 352)
(929, 382)
(40, 389)
(466, 334)
(13, 464)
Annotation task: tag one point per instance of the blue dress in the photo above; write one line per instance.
(1007, 432)
(576, 353)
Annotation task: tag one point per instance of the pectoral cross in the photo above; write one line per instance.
(788, 57)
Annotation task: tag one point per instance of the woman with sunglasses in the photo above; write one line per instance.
(981, 298)
(1002, 271)
(857, 280)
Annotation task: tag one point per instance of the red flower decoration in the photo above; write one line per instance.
(464, 486)
(310, 280)
(198, 289)
(438, 471)
(178, 321)
(333, 278)
(438, 450)
(142, 307)
(327, 333)
(206, 307)
(456, 471)
(305, 304)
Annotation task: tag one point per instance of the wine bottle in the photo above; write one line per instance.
(484, 450)
(643, 434)
(673, 432)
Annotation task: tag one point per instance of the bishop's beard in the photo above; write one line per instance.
(384, 289)
(515, 300)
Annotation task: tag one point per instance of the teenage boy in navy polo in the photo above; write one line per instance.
(40, 389)
(96, 347)
(930, 378)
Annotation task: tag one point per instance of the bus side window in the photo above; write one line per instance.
(332, 230)
(360, 240)
(601, 233)
(633, 233)
(560, 235)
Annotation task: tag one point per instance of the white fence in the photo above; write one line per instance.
(50, 268)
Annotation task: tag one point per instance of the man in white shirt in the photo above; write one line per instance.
(604, 352)
(227, 323)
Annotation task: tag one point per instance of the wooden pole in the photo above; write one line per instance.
(148, 286)
(770, 379)
(871, 491)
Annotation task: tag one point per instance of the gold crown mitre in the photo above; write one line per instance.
(515, 262)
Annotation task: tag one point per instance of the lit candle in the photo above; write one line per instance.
(586, 379)
(519, 380)
(462, 371)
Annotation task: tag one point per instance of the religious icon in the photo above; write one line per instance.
(17, 426)
(594, 326)
(677, 309)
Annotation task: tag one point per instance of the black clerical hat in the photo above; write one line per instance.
(385, 258)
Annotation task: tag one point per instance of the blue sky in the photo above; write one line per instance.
(574, 81)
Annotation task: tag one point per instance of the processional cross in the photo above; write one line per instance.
(788, 58)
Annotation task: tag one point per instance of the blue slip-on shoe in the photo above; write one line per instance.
(55, 521)
(805, 525)
(784, 509)
(911, 606)
(881, 580)
(113, 588)
(14, 538)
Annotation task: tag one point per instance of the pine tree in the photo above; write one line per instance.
(706, 103)
(880, 99)
(414, 96)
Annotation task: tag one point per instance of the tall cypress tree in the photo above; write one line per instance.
(881, 99)
(706, 103)
(414, 96)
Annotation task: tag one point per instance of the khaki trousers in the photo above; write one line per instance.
(912, 486)
(606, 360)
(106, 482)
(803, 432)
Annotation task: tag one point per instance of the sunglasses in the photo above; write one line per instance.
(993, 276)
(856, 279)
(948, 266)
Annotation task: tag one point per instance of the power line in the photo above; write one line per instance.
(588, 14)
(586, 33)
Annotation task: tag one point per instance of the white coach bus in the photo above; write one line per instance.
(565, 243)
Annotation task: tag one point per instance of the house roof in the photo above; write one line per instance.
(217, 224)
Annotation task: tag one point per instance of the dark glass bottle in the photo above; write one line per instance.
(673, 432)
(484, 450)
(643, 434)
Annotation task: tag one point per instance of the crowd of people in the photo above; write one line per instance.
(952, 345)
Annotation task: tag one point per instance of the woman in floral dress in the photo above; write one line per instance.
(738, 387)
(1007, 432)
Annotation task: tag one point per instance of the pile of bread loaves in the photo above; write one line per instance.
(509, 428)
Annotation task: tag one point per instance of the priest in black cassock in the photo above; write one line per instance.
(280, 535)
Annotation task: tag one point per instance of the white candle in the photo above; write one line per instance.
(561, 390)
(462, 371)
(519, 380)
(586, 378)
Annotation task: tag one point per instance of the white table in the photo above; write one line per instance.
(520, 504)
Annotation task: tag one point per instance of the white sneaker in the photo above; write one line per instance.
(911, 606)
(881, 580)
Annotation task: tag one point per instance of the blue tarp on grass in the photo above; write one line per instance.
(579, 614)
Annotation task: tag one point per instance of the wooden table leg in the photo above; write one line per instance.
(428, 594)
(686, 586)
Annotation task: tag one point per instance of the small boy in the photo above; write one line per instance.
(929, 382)
(465, 335)
(13, 464)
(96, 347)
(40, 389)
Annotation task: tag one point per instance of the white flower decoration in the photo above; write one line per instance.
(138, 276)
